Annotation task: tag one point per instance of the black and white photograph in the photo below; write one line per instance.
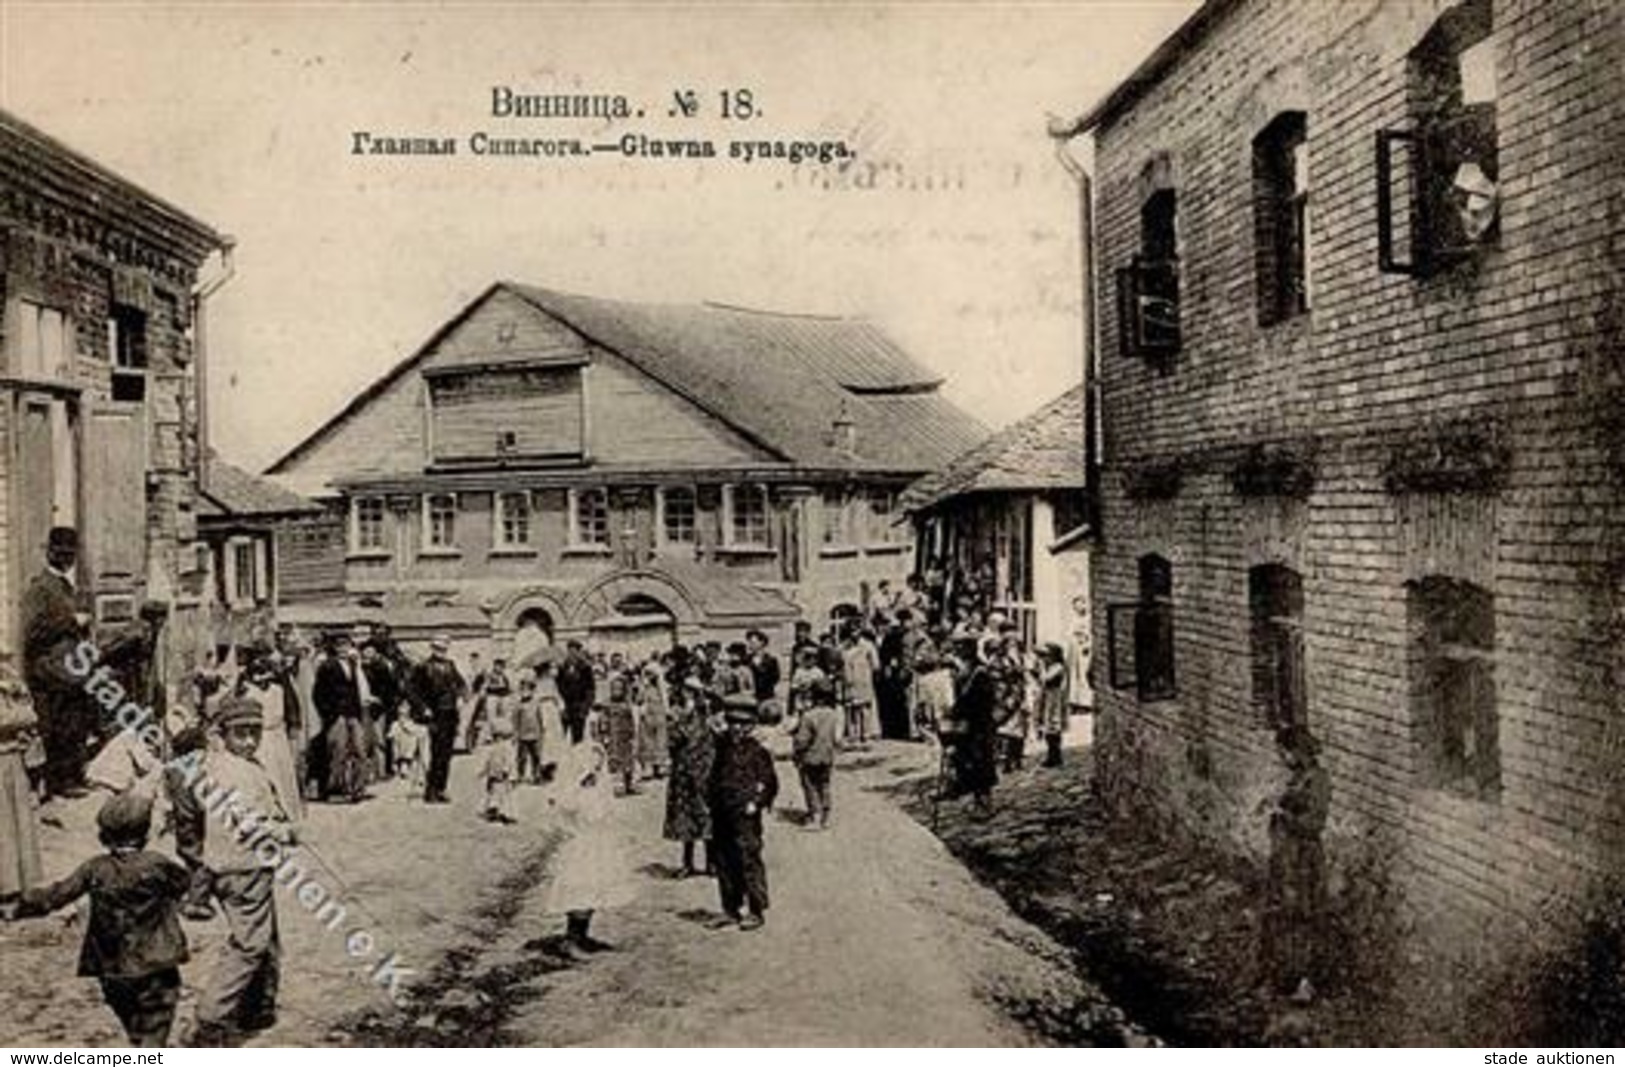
(1008, 525)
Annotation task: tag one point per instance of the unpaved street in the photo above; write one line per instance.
(876, 936)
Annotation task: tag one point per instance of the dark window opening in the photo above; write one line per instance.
(1281, 218)
(1275, 594)
(1452, 663)
(1148, 288)
(127, 347)
(1146, 659)
(1439, 183)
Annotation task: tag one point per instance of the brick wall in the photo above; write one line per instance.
(1525, 342)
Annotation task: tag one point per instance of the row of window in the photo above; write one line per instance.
(1451, 661)
(1437, 193)
(745, 519)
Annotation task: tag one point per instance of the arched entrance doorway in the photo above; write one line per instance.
(638, 626)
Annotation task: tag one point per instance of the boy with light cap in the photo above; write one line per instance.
(246, 838)
(133, 942)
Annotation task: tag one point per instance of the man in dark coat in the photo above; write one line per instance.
(743, 786)
(765, 674)
(337, 694)
(53, 625)
(436, 690)
(973, 758)
(577, 688)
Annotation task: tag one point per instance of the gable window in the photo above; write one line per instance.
(440, 521)
(513, 520)
(589, 517)
(1142, 650)
(1275, 595)
(1148, 288)
(1452, 669)
(127, 348)
(367, 524)
(1281, 218)
(746, 515)
(39, 348)
(678, 525)
(1438, 183)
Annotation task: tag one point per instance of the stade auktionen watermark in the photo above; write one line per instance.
(228, 809)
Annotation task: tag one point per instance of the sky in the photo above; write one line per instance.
(954, 227)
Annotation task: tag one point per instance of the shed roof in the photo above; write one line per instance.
(1042, 451)
(235, 493)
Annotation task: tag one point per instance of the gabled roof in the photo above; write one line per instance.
(22, 144)
(781, 380)
(1042, 451)
(235, 493)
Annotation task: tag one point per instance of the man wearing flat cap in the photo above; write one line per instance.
(245, 840)
(53, 624)
(743, 786)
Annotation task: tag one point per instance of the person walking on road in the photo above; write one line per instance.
(814, 742)
(437, 690)
(743, 787)
(577, 687)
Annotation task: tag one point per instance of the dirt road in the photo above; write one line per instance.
(876, 936)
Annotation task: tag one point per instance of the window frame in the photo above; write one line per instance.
(1282, 221)
(573, 501)
(501, 519)
(431, 544)
(1451, 652)
(1447, 133)
(358, 547)
(731, 517)
(1151, 627)
(663, 512)
(28, 315)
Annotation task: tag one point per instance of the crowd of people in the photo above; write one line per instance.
(283, 723)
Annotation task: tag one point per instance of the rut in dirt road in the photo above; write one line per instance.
(464, 1002)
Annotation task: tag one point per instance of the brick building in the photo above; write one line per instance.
(551, 465)
(99, 413)
(1360, 383)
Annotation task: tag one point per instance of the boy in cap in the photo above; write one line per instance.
(814, 741)
(133, 942)
(246, 838)
(743, 786)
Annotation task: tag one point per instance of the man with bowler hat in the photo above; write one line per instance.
(53, 625)
(743, 786)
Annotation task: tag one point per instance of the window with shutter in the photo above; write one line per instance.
(1438, 182)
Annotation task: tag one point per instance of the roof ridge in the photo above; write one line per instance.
(817, 316)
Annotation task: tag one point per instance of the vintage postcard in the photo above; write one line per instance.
(1087, 524)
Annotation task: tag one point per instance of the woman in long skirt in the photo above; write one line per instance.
(621, 721)
(19, 809)
(693, 746)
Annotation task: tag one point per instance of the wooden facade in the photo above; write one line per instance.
(517, 463)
